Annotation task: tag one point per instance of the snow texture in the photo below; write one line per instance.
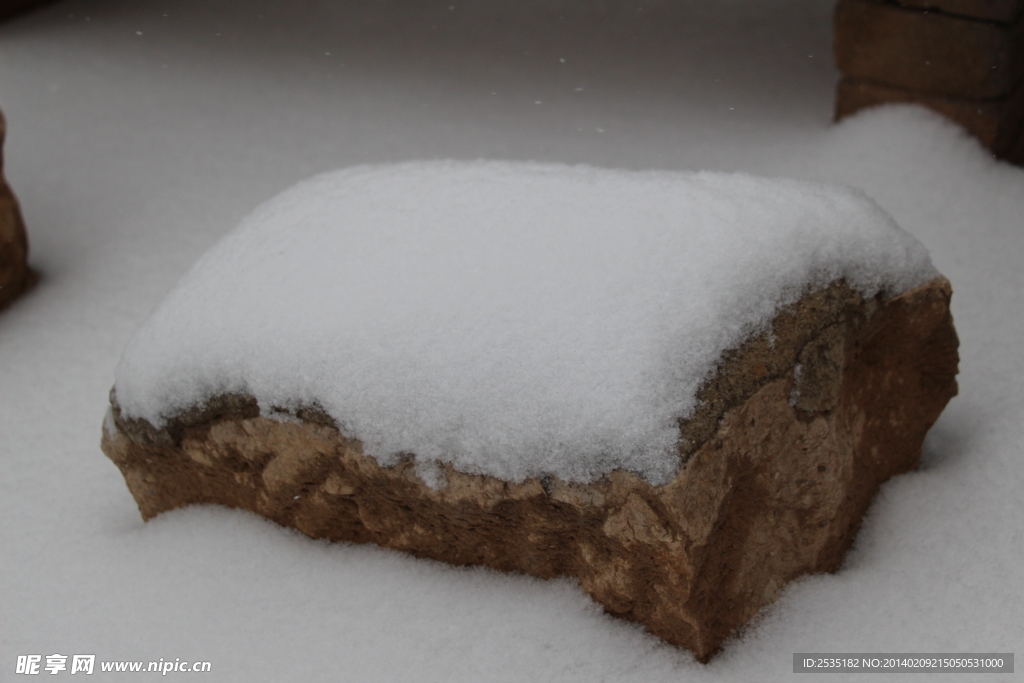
(132, 154)
(511, 319)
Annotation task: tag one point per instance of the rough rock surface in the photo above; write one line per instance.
(15, 276)
(794, 435)
(927, 51)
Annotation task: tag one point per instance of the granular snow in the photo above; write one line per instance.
(511, 319)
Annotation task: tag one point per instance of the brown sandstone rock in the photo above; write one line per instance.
(794, 435)
(928, 52)
(1002, 11)
(997, 124)
(15, 275)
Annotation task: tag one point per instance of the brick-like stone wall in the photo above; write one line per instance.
(962, 58)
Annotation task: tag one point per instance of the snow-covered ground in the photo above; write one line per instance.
(140, 132)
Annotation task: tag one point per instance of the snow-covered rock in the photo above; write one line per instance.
(796, 432)
(683, 390)
(516, 320)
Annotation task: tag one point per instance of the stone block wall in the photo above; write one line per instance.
(962, 58)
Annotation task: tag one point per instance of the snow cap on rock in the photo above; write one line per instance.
(511, 319)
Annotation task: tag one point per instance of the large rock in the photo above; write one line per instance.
(929, 52)
(996, 124)
(15, 276)
(792, 439)
(962, 58)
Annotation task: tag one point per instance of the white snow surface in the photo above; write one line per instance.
(512, 319)
(132, 154)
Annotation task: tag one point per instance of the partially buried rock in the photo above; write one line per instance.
(779, 446)
(15, 275)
